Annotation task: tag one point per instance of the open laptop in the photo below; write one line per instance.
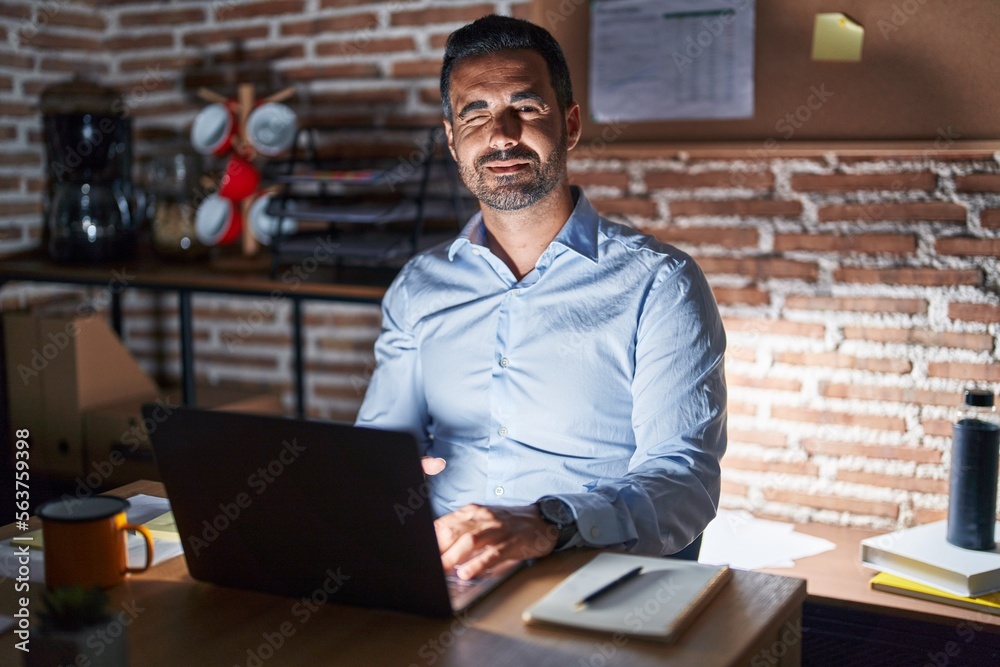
(317, 510)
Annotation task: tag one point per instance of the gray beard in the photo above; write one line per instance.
(522, 190)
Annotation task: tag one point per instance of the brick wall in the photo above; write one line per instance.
(860, 296)
(859, 287)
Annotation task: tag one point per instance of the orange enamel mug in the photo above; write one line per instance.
(85, 542)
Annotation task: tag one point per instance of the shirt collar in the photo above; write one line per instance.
(578, 234)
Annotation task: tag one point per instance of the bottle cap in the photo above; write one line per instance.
(982, 398)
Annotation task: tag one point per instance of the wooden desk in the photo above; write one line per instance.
(182, 622)
(838, 578)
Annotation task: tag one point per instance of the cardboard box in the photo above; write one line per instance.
(24, 384)
(61, 366)
(78, 390)
(118, 450)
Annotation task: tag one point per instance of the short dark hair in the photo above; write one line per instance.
(492, 34)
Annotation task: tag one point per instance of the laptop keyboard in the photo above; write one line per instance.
(464, 592)
(457, 585)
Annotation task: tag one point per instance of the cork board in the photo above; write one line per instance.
(929, 69)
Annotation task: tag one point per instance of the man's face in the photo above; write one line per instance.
(507, 133)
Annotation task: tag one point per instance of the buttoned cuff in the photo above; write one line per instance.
(596, 521)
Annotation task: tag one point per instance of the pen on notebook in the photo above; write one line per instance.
(607, 588)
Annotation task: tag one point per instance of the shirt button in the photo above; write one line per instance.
(503, 431)
(498, 490)
(475, 251)
(505, 362)
(516, 292)
(594, 532)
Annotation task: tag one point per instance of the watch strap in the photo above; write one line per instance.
(566, 526)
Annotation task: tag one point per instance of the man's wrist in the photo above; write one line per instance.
(558, 514)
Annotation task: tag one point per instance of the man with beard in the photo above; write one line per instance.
(562, 373)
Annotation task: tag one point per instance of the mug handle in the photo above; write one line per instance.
(142, 530)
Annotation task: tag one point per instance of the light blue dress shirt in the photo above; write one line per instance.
(597, 378)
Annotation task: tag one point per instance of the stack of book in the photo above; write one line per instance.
(921, 563)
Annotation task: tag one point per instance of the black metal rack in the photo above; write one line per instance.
(363, 195)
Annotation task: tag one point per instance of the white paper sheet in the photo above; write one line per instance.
(142, 508)
(145, 508)
(738, 539)
(671, 59)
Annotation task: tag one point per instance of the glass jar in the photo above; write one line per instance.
(173, 186)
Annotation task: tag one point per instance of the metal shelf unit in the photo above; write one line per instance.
(366, 193)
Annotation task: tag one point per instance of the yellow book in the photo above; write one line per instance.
(163, 527)
(890, 583)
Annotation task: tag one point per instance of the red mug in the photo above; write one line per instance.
(266, 226)
(240, 180)
(213, 128)
(271, 128)
(218, 221)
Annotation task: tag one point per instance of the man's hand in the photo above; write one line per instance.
(477, 537)
(432, 465)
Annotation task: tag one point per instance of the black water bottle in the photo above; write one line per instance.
(975, 450)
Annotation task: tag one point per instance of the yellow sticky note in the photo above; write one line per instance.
(836, 37)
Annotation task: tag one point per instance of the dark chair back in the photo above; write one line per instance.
(690, 552)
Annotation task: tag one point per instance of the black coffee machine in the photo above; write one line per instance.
(91, 207)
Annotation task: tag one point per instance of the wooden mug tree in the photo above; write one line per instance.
(245, 102)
